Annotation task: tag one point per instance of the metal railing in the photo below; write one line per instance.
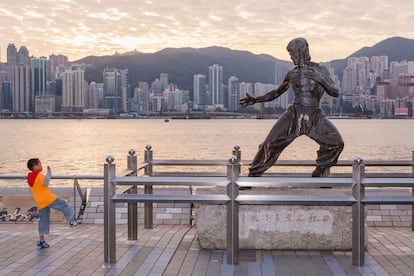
(77, 190)
(357, 181)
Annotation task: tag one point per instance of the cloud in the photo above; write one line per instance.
(77, 28)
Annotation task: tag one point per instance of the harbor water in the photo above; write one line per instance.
(80, 146)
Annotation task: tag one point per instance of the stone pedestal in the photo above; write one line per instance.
(280, 227)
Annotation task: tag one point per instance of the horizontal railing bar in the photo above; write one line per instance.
(205, 198)
(219, 181)
(287, 174)
(388, 200)
(296, 182)
(388, 182)
(286, 163)
(187, 174)
(295, 200)
(23, 176)
(172, 162)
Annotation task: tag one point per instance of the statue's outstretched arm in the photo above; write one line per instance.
(270, 96)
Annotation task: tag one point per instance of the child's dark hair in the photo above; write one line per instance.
(32, 162)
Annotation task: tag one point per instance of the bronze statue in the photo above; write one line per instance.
(309, 80)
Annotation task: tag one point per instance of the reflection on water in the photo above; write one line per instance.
(80, 146)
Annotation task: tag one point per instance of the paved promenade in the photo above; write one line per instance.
(174, 250)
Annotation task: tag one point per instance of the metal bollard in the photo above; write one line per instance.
(132, 207)
(109, 213)
(148, 211)
(358, 214)
(232, 231)
(237, 152)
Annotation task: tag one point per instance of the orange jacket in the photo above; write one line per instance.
(41, 193)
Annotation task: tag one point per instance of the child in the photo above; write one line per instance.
(45, 199)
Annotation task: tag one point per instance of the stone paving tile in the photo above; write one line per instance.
(174, 250)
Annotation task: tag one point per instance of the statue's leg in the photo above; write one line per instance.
(282, 134)
(330, 142)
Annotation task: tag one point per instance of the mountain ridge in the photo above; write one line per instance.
(182, 63)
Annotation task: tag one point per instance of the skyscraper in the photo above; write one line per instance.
(23, 56)
(22, 96)
(11, 55)
(125, 89)
(216, 84)
(349, 80)
(200, 95)
(112, 90)
(57, 64)
(164, 81)
(73, 90)
(6, 96)
(234, 93)
(38, 76)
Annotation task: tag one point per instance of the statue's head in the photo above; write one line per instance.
(298, 49)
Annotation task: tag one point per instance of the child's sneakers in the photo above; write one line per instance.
(73, 222)
(42, 244)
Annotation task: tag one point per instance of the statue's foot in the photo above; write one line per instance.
(251, 174)
(318, 172)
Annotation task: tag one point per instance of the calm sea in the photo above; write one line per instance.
(80, 146)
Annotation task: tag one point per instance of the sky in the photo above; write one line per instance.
(78, 28)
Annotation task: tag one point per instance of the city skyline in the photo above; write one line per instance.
(81, 28)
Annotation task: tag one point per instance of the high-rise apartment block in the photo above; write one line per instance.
(234, 93)
(73, 91)
(11, 55)
(215, 84)
(22, 96)
(23, 56)
(112, 90)
(200, 94)
(57, 64)
(39, 76)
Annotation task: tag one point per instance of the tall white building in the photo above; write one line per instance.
(379, 64)
(73, 91)
(22, 97)
(234, 93)
(403, 68)
(245, 87)
(349, 80)
(95, 95)
(216, 84)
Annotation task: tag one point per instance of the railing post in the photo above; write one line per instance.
(148, 211)
(412, 192)
(237, 152)
(109, 213)
(232, 231)
(132, 207)
(74, 199)
(358, 214)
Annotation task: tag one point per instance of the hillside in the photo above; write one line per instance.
(181, 64)
(396, 48)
